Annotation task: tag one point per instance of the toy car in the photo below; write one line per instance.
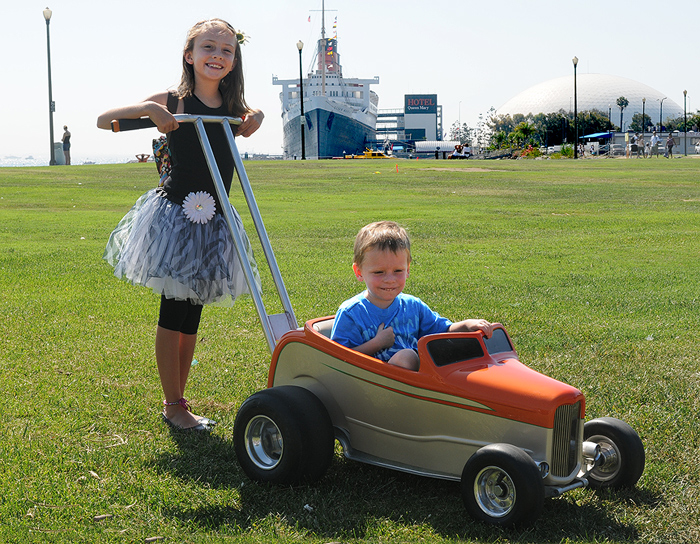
(472, 413)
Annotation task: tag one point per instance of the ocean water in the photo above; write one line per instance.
(11, 160)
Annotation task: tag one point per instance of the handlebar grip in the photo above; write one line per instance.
(120, 125)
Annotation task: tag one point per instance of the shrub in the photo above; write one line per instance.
(530, 152)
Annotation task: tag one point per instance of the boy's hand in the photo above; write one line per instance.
(473, 325)
(483, 326)
(384, 337)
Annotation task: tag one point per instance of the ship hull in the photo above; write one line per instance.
(327, 134)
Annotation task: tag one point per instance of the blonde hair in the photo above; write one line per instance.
(382, 235)
(231, 87)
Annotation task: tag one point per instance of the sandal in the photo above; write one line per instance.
(204, 423)
(200, 427)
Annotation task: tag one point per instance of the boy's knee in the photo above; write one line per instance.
(406, 358)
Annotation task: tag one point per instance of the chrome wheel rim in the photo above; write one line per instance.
(611, 455)
(494, 491)
(263, 442)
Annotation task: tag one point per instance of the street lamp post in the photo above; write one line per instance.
(685, 125)
(459, 120)
(300, 46)
(575, 61)
(52, 106)
(609, 117)
(661, 113)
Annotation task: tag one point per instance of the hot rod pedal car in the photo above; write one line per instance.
(472, 413)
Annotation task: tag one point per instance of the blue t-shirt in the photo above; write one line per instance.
(358, 319)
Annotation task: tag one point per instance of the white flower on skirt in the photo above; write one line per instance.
(199, 207)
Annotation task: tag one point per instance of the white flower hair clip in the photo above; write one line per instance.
(199, 207)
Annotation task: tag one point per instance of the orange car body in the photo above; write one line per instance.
(468, 392)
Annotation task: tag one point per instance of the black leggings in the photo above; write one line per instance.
(179, 315)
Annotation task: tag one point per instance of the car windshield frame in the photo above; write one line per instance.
(448, 350)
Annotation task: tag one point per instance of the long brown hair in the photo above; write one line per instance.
(231, 87)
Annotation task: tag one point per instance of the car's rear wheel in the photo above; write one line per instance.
(502, 485)
(283, 435)
(622, 452)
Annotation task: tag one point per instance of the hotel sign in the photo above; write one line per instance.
(420, 103)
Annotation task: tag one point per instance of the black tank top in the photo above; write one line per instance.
(190, 172)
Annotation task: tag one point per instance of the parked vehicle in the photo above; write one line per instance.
(612, 149)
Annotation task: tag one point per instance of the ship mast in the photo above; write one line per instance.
(323, 38)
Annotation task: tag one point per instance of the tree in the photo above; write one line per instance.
(499, 139)
(552, 128)
(636, 123)
(622, 103)
(501, 123)
(677, 123)
(522, 134)
(547, 129)
(461, 134)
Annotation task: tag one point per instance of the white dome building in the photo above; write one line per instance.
(593, 92)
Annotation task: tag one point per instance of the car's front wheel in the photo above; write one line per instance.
(621, 450)
(283, 435)
(502, 485)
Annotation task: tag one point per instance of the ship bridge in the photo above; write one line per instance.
(327, 80)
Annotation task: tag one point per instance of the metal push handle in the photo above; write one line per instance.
(274, 326)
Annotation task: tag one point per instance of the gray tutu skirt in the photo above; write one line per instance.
(157, 246)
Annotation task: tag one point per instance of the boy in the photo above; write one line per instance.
(383, 321)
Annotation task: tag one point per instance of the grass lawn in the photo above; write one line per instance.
(593, 266)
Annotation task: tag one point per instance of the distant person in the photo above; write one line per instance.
(66, 144)
(383, 321)
(640, 145)
(655, 144)
(670, 142)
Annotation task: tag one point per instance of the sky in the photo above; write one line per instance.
(474, 55)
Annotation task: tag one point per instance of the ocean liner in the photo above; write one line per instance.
(340, 113)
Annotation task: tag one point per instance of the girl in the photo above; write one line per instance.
(175, 239)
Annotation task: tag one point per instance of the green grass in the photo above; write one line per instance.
(592, 266)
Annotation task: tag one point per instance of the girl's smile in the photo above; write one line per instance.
(214, 54)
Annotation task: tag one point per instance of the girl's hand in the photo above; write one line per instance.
(163, 119)
(251, 123)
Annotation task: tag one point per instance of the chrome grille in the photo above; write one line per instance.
(565, 447)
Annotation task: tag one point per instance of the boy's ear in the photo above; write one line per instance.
(357, 271)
